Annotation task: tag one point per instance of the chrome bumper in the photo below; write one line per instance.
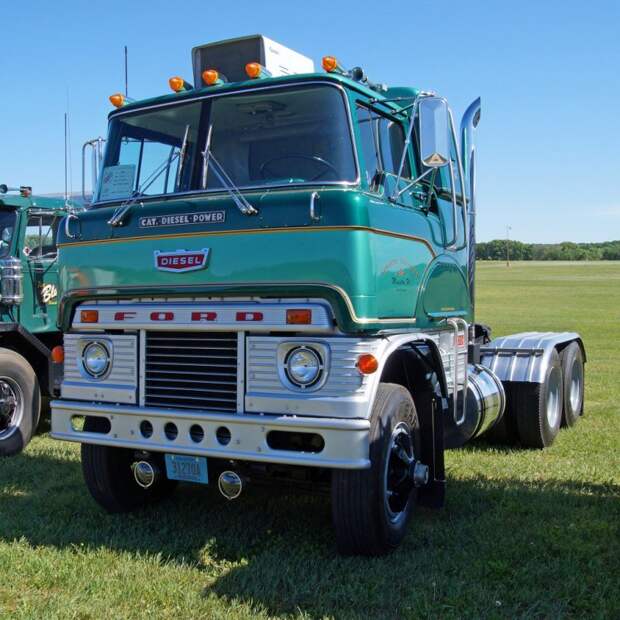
(346, 441)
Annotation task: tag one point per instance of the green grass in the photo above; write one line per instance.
(524, 533)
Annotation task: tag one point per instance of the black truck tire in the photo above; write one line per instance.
(504, 431)
(20, 402)
(538, 407)
(367, 519)
(573, 374)
(110, 480)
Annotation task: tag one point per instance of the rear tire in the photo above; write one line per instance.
(372, 507)
(110, 480)
(573, 374)
(504, 431)
(20, 402)
(538, 407)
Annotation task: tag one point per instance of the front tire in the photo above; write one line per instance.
(20, 402)
(372, 507)
(110, 480)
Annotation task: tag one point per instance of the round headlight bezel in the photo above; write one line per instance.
(96, 373)
(294, 377)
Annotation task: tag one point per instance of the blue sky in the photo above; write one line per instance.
(547, 72)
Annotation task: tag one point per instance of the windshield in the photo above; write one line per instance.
(7, 228)
(273, 137)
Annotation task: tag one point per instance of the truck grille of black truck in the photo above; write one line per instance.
(191, 370)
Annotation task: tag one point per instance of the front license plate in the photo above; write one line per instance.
(187, 468)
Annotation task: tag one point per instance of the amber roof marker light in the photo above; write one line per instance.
(254, 70)
(212, 77)
(178, 84)
(118, 100)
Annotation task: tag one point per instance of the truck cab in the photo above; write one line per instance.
(275, 282)
(28, 311)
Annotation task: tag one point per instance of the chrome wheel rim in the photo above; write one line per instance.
(576, 381)
(554, 397)
(397, 483)
(11, 407)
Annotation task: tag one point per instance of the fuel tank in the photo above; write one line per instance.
(485, 405)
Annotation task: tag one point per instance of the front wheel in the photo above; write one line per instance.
(20, 402)
(372, 507)
(110, 478)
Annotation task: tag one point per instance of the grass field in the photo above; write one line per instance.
(523, 534)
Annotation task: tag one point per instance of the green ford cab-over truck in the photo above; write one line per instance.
(275, 283)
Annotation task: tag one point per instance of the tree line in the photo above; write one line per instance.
(499, 249)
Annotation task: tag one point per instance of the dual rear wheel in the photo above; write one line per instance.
(536, 411)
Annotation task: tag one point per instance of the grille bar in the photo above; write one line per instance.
(191, 370)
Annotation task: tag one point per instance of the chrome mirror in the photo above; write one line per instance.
(434, 121)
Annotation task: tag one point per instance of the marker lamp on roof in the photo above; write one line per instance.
(255, 70)
(331, 65)
(117, 100)
(178, 84)
(211, 77)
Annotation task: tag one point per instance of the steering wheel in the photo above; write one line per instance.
(328, 166)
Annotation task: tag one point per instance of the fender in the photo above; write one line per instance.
(14, 336)
(414, 361)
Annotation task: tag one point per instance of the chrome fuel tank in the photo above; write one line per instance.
(485, 405)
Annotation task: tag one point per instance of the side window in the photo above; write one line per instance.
(40, 238)
(382, 143)
(443, 179)
(369, 144)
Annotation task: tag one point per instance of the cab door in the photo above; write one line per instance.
(394, 207)
(41, 271)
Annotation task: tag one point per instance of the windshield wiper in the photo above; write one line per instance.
(120, 213)
(224, 178)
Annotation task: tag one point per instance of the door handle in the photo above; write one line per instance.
(314, 216)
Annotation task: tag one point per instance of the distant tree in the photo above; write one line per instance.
(567, 250)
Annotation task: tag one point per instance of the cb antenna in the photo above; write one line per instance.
(66, 163)
(126, 78)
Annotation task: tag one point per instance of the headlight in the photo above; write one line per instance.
(96, 359)
(303, 366)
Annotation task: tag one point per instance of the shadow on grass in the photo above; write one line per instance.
(541, 548)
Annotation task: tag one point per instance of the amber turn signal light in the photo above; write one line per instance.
(58, 354)
(299, 317)
(117, 100)
(367, 364)
(89, 316)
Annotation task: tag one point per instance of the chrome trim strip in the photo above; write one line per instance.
(241, 371)
(142, 368)
(255, 231)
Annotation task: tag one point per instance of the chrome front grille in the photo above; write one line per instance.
(191, 370)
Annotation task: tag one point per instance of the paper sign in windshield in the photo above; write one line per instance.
(117, 182)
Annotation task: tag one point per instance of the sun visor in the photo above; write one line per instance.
(229, 58)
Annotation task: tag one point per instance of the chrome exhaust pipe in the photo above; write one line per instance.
(230, 484)
(145, 473)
